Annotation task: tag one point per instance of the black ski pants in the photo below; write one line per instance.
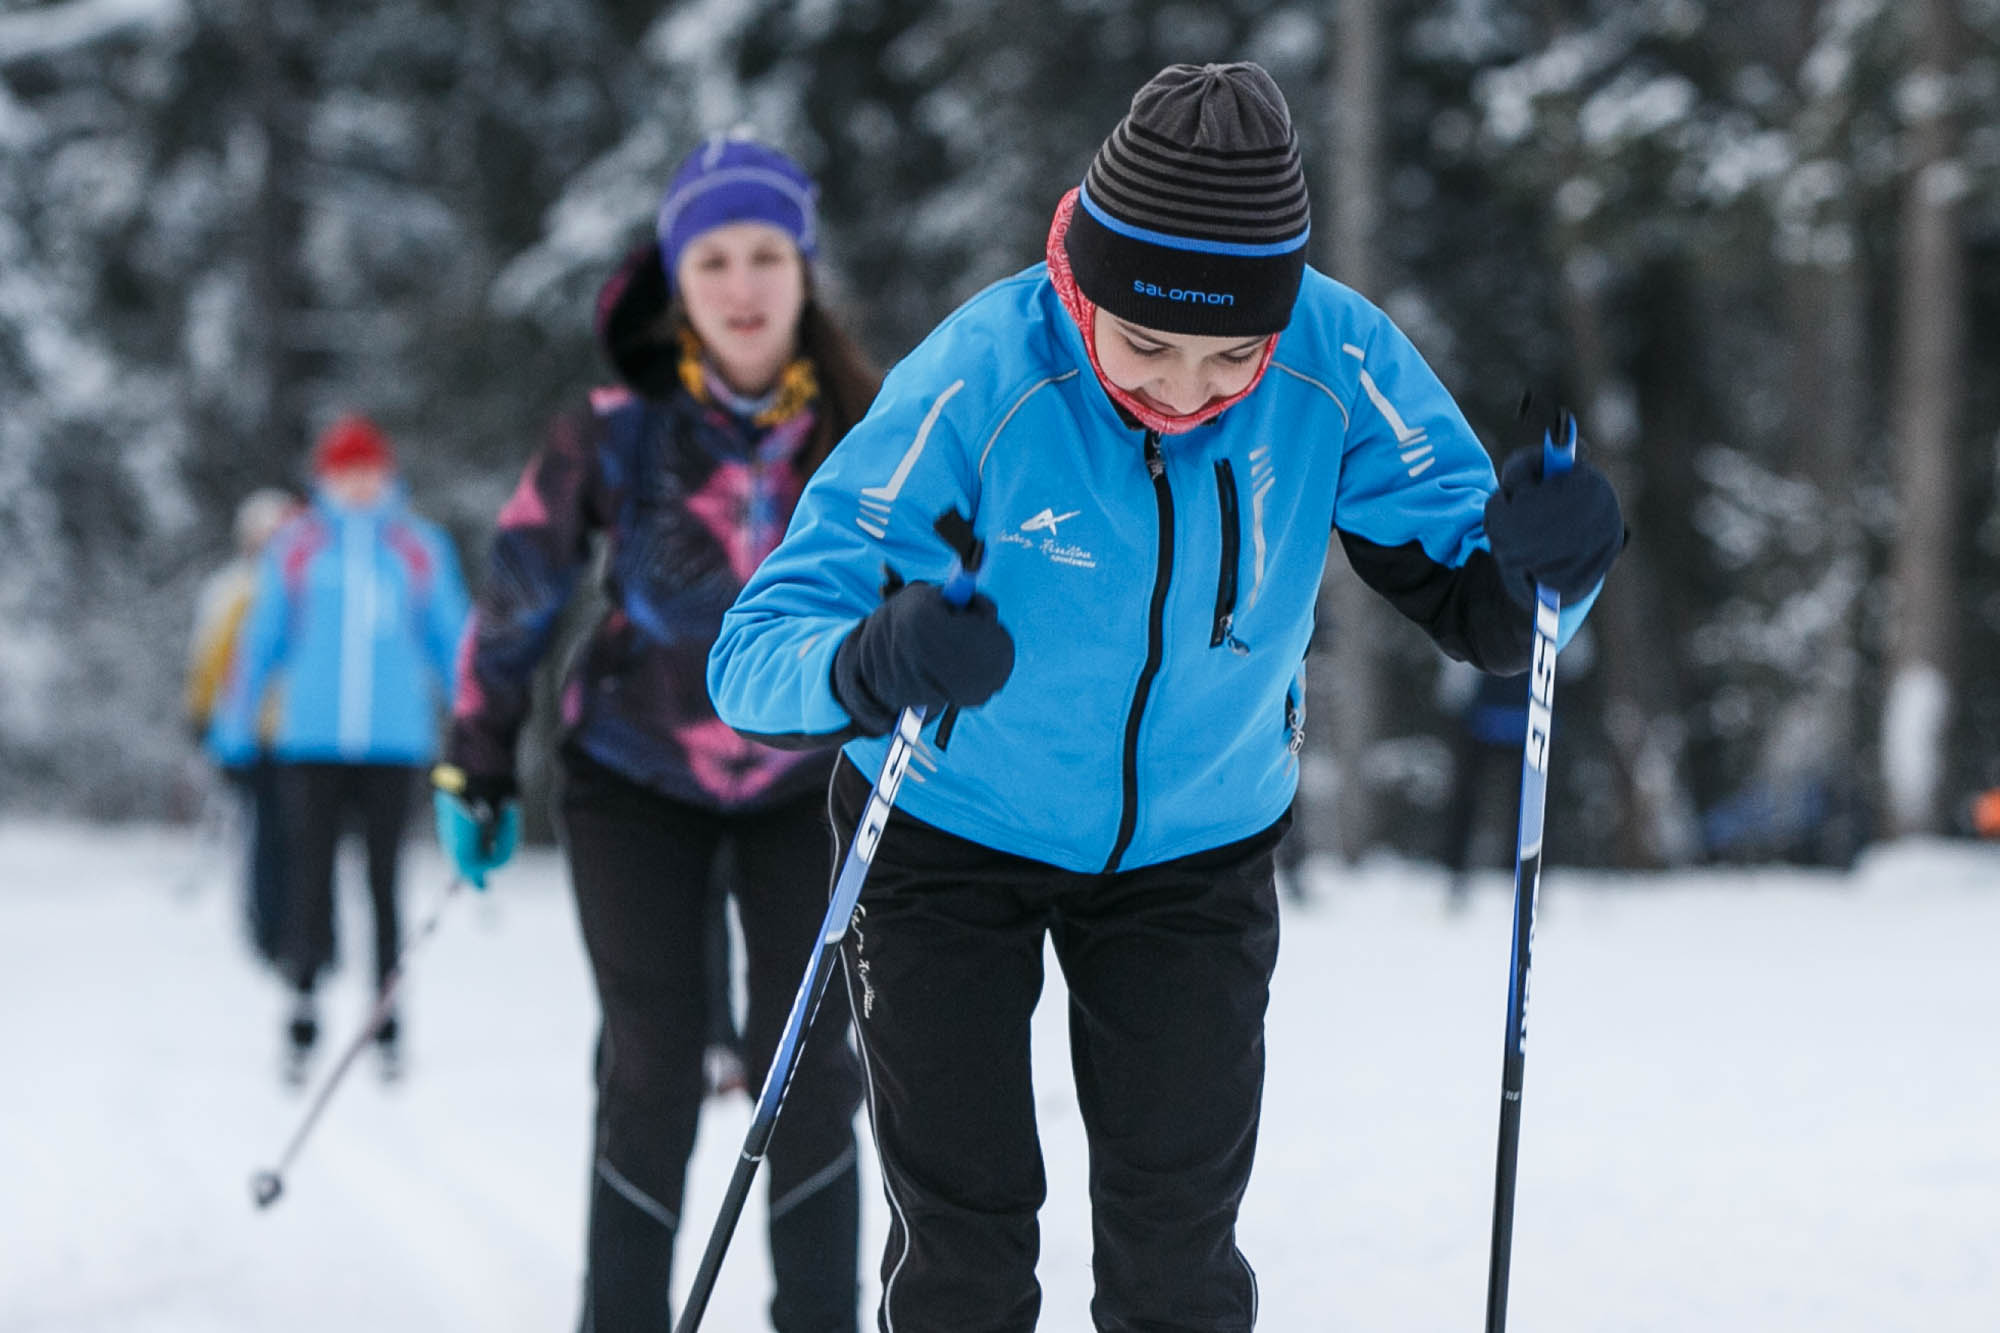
(265, 890)
(1476, 764)
(1168, 969)
(316, 800)
(642, 867)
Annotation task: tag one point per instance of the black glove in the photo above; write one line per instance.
(918, 650)
(1562, 530)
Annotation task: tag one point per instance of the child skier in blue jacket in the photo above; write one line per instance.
(1154, 434)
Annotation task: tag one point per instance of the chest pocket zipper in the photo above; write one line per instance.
(1224, 627)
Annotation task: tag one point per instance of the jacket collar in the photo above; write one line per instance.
(629, 308)
(389, 504)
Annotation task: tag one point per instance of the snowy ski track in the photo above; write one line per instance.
(1762, 1101)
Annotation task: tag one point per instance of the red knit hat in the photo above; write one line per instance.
(352, 442)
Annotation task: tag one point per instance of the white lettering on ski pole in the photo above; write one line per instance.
(1542, 686)
(883, 798)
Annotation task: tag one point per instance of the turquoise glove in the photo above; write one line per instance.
(478, 821)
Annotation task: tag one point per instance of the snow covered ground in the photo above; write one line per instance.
(1765, 1101)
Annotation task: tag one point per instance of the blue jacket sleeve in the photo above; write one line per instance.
(868, 508)
(233, 736)
(1411, 506)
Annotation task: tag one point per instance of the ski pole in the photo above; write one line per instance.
(957, 530)
(1527, 883)
(268, 1184)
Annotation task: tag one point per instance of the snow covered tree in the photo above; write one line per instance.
(1711, 228)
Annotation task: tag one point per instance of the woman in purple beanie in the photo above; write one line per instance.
(734, 384)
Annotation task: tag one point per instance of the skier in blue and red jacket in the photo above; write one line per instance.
(354, 623)
(1155, 434)
(734, 384)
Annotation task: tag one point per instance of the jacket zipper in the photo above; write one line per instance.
(1156, 637)
(358, 611)
(1224, 630)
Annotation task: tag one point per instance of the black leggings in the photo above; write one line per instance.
(642, 866)
(316, 800)
(265, 891)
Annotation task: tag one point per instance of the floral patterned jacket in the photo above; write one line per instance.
(689, 488)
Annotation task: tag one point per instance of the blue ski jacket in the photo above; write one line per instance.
(355, 620)
(1159, 588)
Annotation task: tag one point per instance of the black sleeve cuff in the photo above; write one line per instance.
(1468, 611)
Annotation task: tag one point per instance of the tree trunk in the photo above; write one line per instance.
(1654, 821)
(1347, 693)
(1927, 416)
(1817, 738)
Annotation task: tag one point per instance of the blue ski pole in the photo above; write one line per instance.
(1527, 883)
(957, 530)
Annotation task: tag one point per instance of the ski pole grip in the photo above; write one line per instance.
(958, 588)
(1558, 457)
(956, 529)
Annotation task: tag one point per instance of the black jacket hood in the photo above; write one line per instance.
(629, 309)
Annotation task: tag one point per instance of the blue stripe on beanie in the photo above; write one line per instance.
(734, 179)
(1173, 242)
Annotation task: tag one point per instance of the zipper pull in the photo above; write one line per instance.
(1227, 634)
(1156, 463)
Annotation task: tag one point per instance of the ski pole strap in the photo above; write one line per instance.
(956, 529)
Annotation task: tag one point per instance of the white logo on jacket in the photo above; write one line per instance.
(1047, 520)
(1061, 552)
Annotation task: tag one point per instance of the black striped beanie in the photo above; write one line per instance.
(1193, 216)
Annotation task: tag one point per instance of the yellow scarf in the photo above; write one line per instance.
(797, 387)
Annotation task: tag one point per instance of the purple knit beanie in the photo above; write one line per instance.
(731, 178)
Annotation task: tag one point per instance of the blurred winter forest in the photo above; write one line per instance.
(1755, 243)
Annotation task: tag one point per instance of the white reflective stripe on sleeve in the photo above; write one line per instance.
(1419, 454)
(876, 501)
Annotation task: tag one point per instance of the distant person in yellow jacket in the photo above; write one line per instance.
(218, 624)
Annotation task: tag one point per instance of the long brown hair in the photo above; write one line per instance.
(848, 379)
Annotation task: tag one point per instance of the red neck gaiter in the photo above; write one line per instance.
(1085, 314)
